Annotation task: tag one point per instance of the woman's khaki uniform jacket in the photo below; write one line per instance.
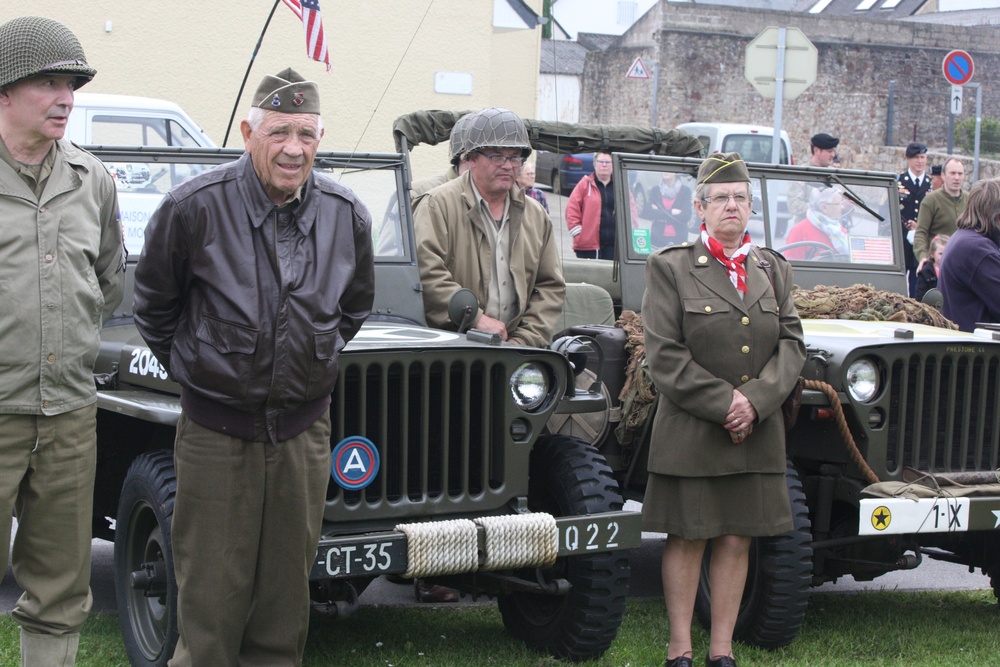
(702, 341)
(62, 268)
(453, 252)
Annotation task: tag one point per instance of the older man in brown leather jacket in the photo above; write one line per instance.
(253, 277)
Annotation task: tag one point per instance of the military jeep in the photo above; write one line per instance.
(441, 464)
(894, 455)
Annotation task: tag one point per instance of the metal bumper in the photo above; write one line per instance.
(374, 554)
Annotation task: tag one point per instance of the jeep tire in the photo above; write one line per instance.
(145, 587)
(567, 476)
(779, 576)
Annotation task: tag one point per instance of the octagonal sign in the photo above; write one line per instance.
(801, 59)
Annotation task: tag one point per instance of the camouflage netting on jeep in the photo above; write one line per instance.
(638, 394)
(862, 302)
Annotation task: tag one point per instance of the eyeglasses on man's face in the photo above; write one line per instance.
(722, 200)
(498, 160)
(604, 162)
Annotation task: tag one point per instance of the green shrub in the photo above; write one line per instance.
(989, 135)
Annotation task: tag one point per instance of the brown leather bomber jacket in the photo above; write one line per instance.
(249, 305)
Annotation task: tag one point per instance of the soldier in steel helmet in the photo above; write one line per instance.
(480, 232)
(62, 269)
(459, 165)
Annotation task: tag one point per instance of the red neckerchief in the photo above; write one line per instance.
(735, 264)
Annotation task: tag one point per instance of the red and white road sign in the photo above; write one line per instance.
(637, 70)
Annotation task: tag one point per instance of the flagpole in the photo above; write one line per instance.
(246, 76)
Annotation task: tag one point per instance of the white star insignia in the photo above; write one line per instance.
(996, 513)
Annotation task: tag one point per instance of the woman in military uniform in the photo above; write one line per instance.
(725, 348)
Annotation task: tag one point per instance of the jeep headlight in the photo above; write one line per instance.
(529, 385)
(862, 380)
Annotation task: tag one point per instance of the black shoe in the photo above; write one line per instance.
(433, 592)
(721, 661)
(679, 661)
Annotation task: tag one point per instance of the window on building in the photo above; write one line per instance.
(626, 12)
(820, 6)
(865, 5)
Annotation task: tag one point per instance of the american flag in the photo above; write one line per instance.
(312, 22)
(871, 250)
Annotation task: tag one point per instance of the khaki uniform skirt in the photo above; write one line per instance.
(697, 508)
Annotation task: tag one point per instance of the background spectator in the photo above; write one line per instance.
(821, 228)
(824, 150)
(941, 208)
(927, 277)
(527, 182)
(668, 208)
(970, 268)
(914, 184)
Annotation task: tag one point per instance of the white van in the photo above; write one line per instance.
(123, 120)
(752, 142)
(100, 119)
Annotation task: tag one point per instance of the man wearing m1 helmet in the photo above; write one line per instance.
(33, 45)
(64, 261)
(480, 232)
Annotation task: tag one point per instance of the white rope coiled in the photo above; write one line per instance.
(520, 540)
(440, 547)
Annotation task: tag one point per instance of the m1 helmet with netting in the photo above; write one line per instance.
(31, 45)
(458, 139)
(496, 128)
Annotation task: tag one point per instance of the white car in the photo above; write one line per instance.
(753, 142)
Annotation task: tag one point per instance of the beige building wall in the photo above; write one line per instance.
(384, 56)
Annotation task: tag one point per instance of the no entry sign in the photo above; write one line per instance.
(958, 67)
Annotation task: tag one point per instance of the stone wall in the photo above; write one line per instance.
(699, 51)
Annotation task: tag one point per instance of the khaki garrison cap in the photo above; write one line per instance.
(287, 92)
(723, 168)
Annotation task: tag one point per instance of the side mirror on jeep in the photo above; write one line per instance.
(462, 308)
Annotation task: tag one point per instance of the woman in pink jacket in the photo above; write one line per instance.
(590, 212)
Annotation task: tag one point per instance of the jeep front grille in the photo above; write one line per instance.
(943, 413)
(438, 424)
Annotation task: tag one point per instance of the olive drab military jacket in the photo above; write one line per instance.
(63, 273)
(702, 341)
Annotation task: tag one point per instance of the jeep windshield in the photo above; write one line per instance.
(837, 227)
(144, 175)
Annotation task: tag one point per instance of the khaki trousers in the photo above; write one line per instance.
(47, 466)
(246, 523)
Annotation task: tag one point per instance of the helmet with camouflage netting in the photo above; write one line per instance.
(32, 45)
(496, 128)
(459, 138)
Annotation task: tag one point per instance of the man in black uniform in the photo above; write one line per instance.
(914, 183)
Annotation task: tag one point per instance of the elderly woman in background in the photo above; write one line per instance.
(526, 179)
(724, 348)
(821, 228)
(970, 268)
